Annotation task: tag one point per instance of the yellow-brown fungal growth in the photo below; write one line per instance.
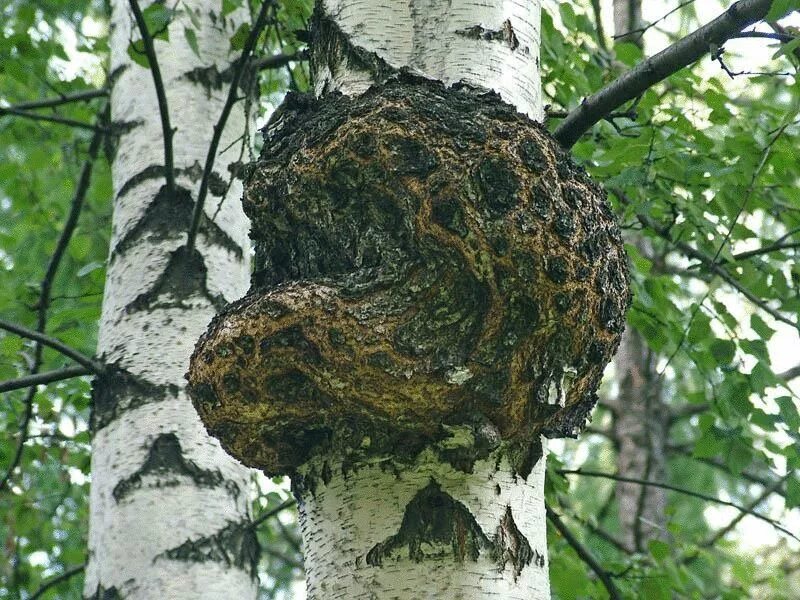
(425, 257)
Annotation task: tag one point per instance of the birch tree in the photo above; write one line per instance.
(167, 503)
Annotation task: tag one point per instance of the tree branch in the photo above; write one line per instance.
(584, 554)
(45, 294)
(790, 374)
(51, 342)
(10, 110)
(158, 82)
(43, 378)
(69, 573)
(657, 68)
(61, 100)
(271, 513)
(241, 65)
(277, 61)
(680, 490)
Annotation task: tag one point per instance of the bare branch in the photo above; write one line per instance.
(158, 82)
(584, 554)
(53, 343)
(271, 513)
(241, 66)
(45, 293)
(69, 573)
(680, 490)
(790, 374)
(49, 118)
(657, 68)
(43, 378)
(61, 100)
(278, 61)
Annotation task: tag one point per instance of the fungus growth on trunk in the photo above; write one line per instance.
(429, 263)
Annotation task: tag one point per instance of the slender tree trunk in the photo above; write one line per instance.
(641, 422)
(627, 21)
(169, 509)
(371, 532)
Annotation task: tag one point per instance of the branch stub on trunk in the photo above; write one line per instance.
(426, 258)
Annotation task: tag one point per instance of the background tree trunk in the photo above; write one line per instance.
(169, 509)
(641, 418)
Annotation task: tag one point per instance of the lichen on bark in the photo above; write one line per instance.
(426, 257)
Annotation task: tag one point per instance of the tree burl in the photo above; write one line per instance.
(426, 259)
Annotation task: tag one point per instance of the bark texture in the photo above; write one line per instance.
(169, 509)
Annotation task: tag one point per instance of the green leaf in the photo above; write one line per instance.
(789, 412)
(240, 37)
(228, 6)
(137, 54)
(191, 39)
(792, 493)
(723, 351)
(157, 17)
(761, 328)
(780, 8)
(658, 549)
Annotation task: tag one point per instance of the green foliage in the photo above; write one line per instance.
(711, 162)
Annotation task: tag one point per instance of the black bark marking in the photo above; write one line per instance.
(479, 32)
(168, 217)
(117, 391)
(511, 546)
(167, 465)
(434, 526)
(235, 545)
(331, 48)
(183, 278)
(102, 593)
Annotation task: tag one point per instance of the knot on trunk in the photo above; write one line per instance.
(426, 257)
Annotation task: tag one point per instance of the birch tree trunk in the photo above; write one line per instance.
(359, 528)
(169, 509)
(641, 418)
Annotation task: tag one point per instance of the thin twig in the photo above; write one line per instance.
(158, 82)
(49, 118)
(61, 100)
(271, 513)
(657, 68)
(43, 378)
(241, 66)
(278, 61)
(790, 374)
(584, 554)
(53, 343)
(69, 573)
(45, 292)
(711, 541)
(680, 490)
(598, 23)
(642, 30)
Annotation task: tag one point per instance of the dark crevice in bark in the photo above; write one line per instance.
(116, 391)
(511, 546)
(505, 35)
(168, 217)
(434, 526)
(331, 49)
(183, 278)
(236, 545)
(102, 593)
(166, 466)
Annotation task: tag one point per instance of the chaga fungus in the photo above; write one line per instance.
(425, 256)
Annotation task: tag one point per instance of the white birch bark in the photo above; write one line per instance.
(163, 492)
(353, 523)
